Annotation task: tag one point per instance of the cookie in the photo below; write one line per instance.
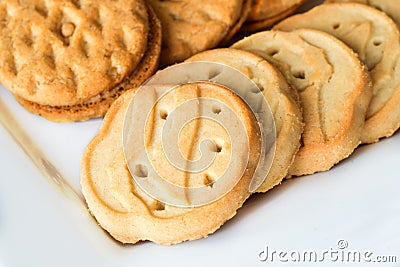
(375, 38)
(128, 213)
(390, 7)
(98, 105)
(334, 89)
(191, 26)
(62, 53)
(283, 100)
(265, 13)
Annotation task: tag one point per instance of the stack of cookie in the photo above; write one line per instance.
(330, 76)
(330, 87)
(69, 60)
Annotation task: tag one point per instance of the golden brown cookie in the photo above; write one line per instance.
(390, 7)
(283, 100)
(334, 89)
(64, 52)
(190, 27)
(265, 13)
(98, 105)
(131, 215)
(375, 38)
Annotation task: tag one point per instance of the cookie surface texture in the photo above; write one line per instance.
(128, 213)
(334, 89)
(390, 7)
(98, 105)
(264, 13)
(375, 38)
(61, 53)
(190, 27)
(283, 101)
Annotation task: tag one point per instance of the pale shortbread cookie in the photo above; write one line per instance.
(59, 52)
(128, 213)
(190, 27)
(375, 38)
(334, 90)
(390, 7)
(264, 13)
(98, 105)
(283, 100)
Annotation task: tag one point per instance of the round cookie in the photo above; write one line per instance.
(129, 214)
(190, 27)
(334, 90)
(390, 7)
(63, 52)
(98, 105)
(375, 38)
(264, 13)
(283, 100)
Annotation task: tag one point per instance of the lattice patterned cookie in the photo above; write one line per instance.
(98, 105)
(60, 52)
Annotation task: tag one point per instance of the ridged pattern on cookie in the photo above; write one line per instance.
(128, 213)
(334, 89)
(60, 52)
(375, 38)
(98, 105)
(282, 98)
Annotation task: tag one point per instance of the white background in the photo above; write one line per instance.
(357, 201)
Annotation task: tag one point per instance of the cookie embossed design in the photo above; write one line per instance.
(334, 107)
(127, 212)
(282, 98)
(375, 38)
(60, 52)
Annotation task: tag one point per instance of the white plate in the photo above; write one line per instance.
(358, 202)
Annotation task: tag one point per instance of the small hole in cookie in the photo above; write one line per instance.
(158, 205)
(208, 180)
(140, 171)
(163, 114)
(273, 52)
(218, 148)
(336, 26)
(377, 42)
(299, 75)
(216, 110)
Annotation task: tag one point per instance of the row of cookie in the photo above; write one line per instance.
(334, 111)
(191, 27)
(343, 129)
(128, 212)
(69, 61)
(374, 36)
(322, 54)
(321, 82)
